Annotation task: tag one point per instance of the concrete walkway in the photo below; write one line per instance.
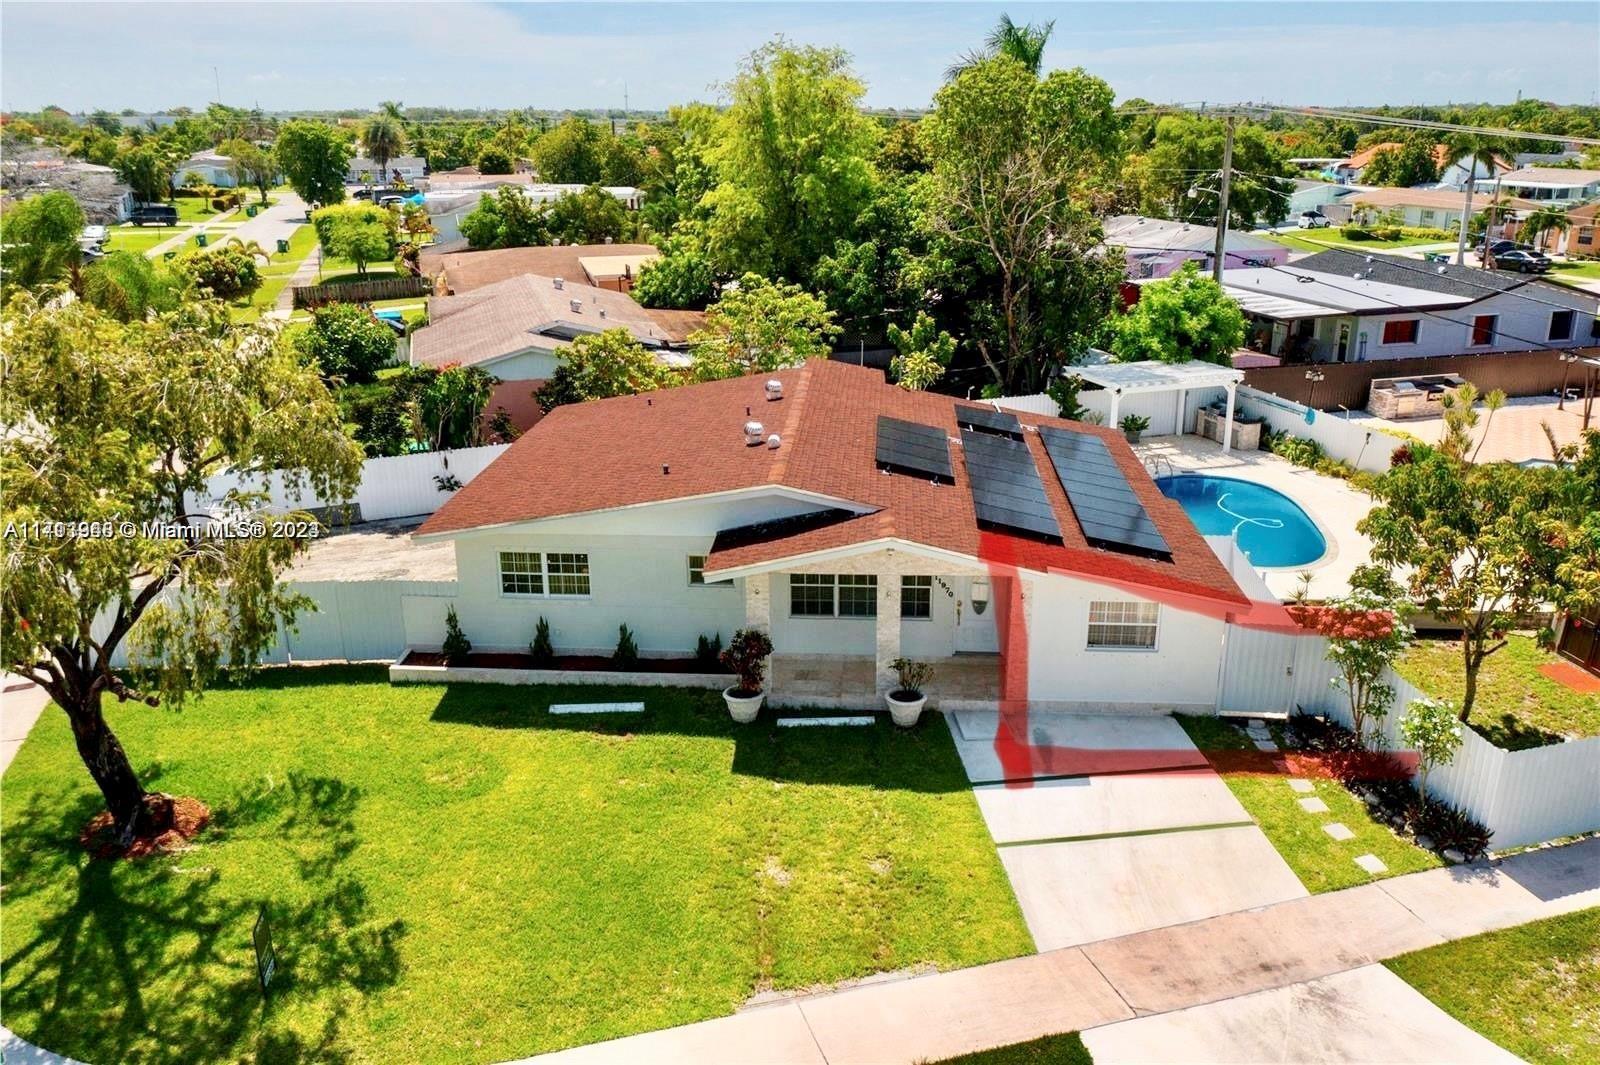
(21, 703)
(1299, 945)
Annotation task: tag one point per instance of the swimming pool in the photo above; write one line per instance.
(1270, 527)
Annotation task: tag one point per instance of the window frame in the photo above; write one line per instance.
(1106, 623)
(835, 583)
(547, 575)
(1416, 332)
(1572, 325)
(726, 582)
(856, 582)
(925, 591)
(814, 580)
(1494, 331)
(535, 574)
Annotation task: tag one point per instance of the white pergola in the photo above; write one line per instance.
(1122, 378)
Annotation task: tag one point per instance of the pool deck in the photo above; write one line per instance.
(1332, 504)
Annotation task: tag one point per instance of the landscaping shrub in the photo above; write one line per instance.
(626, 656)
(227, 272)
(540, 650)
(1296, 449)
(347, 342)
(1450, 828)
(708, 651)
(456, 645)
(746, 656)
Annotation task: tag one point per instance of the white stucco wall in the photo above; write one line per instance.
(1063, 673)
(524, 366)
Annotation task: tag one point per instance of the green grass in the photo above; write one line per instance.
(1533, 989)
(1588, 269)
(1314, 240)
(276, 275)
(454, 875)
(1321, 862)
(1065, 1049)
(193, 209)
(1517, 706)
(138, 238)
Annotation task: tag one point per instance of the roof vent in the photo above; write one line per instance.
(576, 305)
(559, 282)
(774, 389)
(753, 432)
(773, 441)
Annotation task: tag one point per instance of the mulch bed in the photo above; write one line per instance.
(572, 663)
(1570, 676)
(168, 824)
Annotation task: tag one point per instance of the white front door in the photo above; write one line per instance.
(975, 612)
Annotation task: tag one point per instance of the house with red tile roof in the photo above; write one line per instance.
(1028, 558)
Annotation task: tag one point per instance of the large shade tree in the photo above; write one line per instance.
(40, 238)
(1186, 316)
(111, 424)
(314, 157)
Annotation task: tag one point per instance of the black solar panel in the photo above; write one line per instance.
(1101, 497)
(988, 420)
(1006, 489)
(913, 448)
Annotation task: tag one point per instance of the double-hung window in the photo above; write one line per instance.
(1484, 328)
(1402, 331)
(916, 597)
(1561, 325)
(1123, 625)
(697, 574)
(552, 574)
(827, 595)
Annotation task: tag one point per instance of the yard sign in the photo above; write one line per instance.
(266, 957)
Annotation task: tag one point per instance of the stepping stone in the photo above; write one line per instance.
(1372, 863)
(1304, 787)
(1257, 725)
(1313, 806)
(1266, 745)
(809, 722)
(1450, 854)
(597, 708)
(1338, 831)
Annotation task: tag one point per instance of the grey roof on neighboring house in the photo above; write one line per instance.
(1137, 233)
(1446, 278)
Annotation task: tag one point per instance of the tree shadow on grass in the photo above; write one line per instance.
(152, 960)
(878, 755)
(1512, 734)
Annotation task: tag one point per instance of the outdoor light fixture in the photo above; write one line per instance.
(980, 595)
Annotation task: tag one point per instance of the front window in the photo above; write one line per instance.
(697, 574)
(1483, 329)
(916, 597)
(858, 596)
(811, 595)
(1402, 332)
(1119, 625)
(521, 573)
(1560, 325)
(569, 574)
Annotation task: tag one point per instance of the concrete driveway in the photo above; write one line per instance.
(1363, 1015)
(1109, 825)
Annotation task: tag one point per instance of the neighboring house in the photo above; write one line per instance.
(1339, 306)
(1317, 196)
(516, 330)
(1453, 173)
(213, 168)
(612, 266)
(454, 194)
(1548, 186)
(1157, 247)
(792, 504)
(105, 200)
(1580, 240)
(1428, 208)
(410, 168)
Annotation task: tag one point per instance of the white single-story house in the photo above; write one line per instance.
(1341, 306)
(517, 329)
(97, 189)
(1158, 247)
(1547, 186)
(412, 168)
(213, 168)
(1029, 559)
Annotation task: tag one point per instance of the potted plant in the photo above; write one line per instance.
(746, 656)
(1132, 425)
(907, 700)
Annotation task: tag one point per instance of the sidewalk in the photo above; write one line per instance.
(1289, 944)
(21, 703)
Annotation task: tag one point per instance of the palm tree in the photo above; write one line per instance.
(383, 138)
(1542, 221)
(1478, 148)
(392, 108)
(1023, 43)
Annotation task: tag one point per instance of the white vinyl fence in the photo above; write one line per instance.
(1160, 407)
(352, 621)
(1522, 796)
(399, 487)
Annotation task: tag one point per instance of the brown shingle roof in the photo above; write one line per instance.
(610, 453)
(468, 270)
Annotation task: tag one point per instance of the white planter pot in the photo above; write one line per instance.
(743, 709)
(905, 712)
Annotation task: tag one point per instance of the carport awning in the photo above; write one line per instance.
(1281, 308)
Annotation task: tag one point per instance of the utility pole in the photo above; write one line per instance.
(218, 78)
(1222, 202)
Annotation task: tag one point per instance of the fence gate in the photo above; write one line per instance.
(1258, 672)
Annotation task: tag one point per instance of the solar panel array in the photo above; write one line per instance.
(1006, 489)
(914, 448)
(987, 419)
(1103, 500)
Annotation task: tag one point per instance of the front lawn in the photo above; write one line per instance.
(452, 874)
(1587, 269)
(1321, 862)
(1065, 1049)
(1533, 989)
(138, 239)
(1517, 706)
(1315, 240)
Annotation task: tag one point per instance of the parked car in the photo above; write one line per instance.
(1526, 262)
(154, 214)
(1500, 247)
(93, 236)
(1313, 220)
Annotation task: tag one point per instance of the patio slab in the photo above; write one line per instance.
(1069, 744)
(1107, 805)
(1364, 1015)
(1080, 892)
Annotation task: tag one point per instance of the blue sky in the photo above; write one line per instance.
(152, 56)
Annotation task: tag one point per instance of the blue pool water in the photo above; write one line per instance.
(1269, 527)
